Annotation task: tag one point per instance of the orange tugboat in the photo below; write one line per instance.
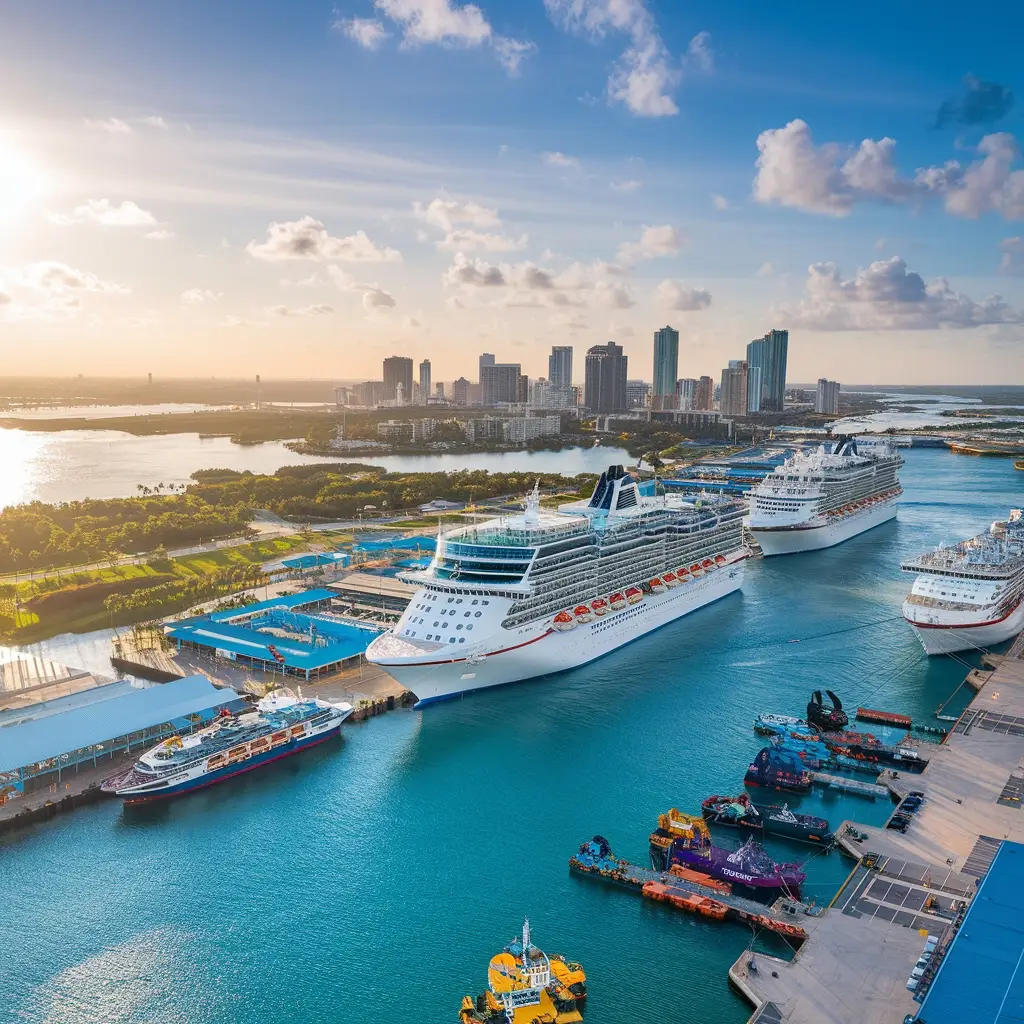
(526, 986)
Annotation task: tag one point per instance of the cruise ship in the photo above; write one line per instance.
(968, 596)
(280, 725)
(543, 591)
(822, 497)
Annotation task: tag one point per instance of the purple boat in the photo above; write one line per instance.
(685, 839)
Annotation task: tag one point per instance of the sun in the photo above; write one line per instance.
(20, 180)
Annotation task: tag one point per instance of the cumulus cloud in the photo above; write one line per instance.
(49, 289)
(374, 297)
(160, 235)
(111, 125)
(675, 295)
(987, 185)
(719, 202)
(197, 296)
(438, 22)
(655, 242)
(367, 32)
(473, 273)
(645, 75)
(467, 240)
(699, 55)
(887, 296)
(1013, 254)
(556, 159)
(624, 186)
(308, 239)
(105, 213)
(979, 103)
(447, 213)
(319, 309)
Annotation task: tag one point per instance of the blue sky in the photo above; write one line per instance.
(447, 179)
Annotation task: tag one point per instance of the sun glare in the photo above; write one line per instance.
(20, 180)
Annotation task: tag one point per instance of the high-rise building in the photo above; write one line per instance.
(827, 398)
(425, 381)
(370, 393)
(460, 391)
(755, 388)
(733, 401)
(397, 370)
(638, 394)
(560, 366)
(486, 359)
(499, 383)
(666, 368)
(686, 394)
(439, 391)
(605, 378)
(523, 389)
(769, 354)
(705, 398)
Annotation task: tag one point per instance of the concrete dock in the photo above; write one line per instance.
(855, 966)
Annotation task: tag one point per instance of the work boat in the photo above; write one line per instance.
(279, 726)
(544, 591)
(822, 497)
(969, 596)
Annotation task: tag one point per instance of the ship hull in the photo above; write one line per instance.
(717, 866)
(544, 651)
(199, 778)
(791, 540)
(947, 638)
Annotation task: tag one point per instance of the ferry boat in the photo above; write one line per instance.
(823, 497)
(538, 593)
(279, 726)
(969, 596)
(526, 986)
(685, 839)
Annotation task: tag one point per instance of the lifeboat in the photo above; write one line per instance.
(600, 606)
(683, 575)
(720, 559)
(564, 620)
(657, 585)
(634, 595)
(671, 580)
(696, 570)
(583, 613)
(707, 564)
(617, 601)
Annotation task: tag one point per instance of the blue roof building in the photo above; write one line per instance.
(38, 751)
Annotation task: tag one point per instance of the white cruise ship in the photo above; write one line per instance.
(822, 497)
(531, 594)
(968, 596)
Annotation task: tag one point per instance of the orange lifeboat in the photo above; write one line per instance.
(600, 606)
(583, 613)
(696, 570)
(564, 620)
(683, 575)
(707, 564)
(657, 585)
(617, 601)
(634, 595)
(671, 580)
(720, 559)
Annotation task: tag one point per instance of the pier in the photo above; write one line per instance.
(908, 887)
(868, 789)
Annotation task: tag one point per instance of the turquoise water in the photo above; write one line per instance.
(370, 882)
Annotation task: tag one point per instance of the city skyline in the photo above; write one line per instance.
(291, 200)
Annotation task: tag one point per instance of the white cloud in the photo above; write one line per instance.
(655, 242)
(197, 296)
(160, 235)
(571, 322)
(699, 55)
(556, 159)
(154, 121)
(468, 240)
(308, 239)
(719, 202)
(988, 185)
(237, 321)
(367, 32)
(1012, 249)
(113, 125)
(624, 186)
(473, 273)
(103, 212)
(765, 270)
(447, 213)
(440, 22)
(319, 309)
(886, 296)
(49, 289)
(645, 75)
(374, 297)
(674, 295)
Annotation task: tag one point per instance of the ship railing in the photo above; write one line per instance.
(949, 606)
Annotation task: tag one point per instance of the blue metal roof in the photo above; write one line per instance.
(284, 601)
(981, 978)
(105, 720)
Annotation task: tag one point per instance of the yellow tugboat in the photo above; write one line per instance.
(526, 986)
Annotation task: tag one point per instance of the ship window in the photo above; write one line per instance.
(467, 615)
(470, 626)
(485, 602)
(435, 623)
(459, 626)
(451, 600)
(475, 601)
(451, 639)
(462, 639)
(477, 614)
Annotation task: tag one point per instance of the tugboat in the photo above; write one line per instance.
(776, 725)
(828, 719)
(685, 839)
(773, 768)
(772, 820)
(526, 986)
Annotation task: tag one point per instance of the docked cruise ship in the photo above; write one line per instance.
(968, 596)
(819, 498)
(536, 593)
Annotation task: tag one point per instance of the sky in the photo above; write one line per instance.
(301, 189)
